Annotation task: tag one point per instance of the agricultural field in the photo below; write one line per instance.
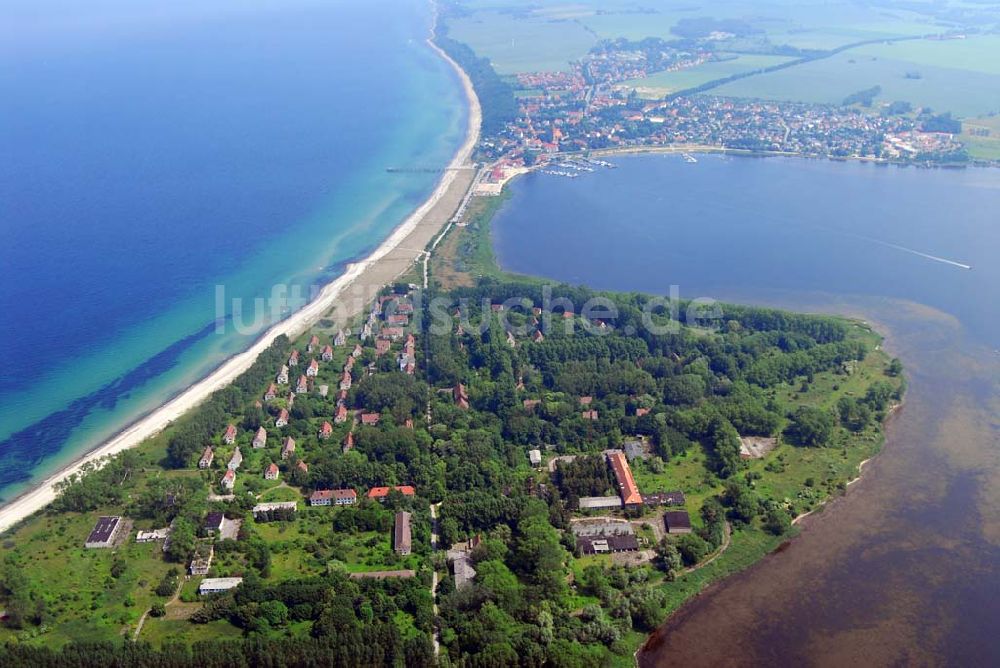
(981, 137)
(518, 35)
(663, 83)
(901, 70)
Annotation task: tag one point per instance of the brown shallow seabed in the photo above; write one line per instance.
(904, 569)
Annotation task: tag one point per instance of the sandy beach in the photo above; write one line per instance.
(363, 279)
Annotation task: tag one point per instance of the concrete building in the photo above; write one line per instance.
(104, 533)
(216, 585)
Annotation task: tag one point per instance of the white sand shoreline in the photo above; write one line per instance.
(34, 500)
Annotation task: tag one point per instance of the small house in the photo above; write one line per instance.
(206, 458)
(260, 439)
(288, 448)
(235, 460)
(229, 437)
(271, 472)
(326, 431)
(313, 369)
(282, 419)
(229, 479)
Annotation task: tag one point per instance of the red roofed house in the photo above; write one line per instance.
(230, 436)
(302, 387)
(229, 480)
(341, 416)
(293, 359)
(586, 401)
(370, 418)
(627, 488)
(302, 466)
(327, 353)
(271, 472)
(357, 350)
(345, 381)
(349, 441)
(260, 440)
(313, 342)
(391, 333)
(313, 369)
(326, 431)
(288, 448)
(282, 418)
(382, 346)
(639, 412)
(381, 493)
(272, 392)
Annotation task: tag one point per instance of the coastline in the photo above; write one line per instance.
(365, 277)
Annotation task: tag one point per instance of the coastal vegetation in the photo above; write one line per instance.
(814, 387)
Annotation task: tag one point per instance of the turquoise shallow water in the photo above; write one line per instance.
(153, 154)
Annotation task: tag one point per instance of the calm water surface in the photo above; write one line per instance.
(905, 569)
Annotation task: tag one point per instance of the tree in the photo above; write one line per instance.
(182, 540)
(692, 548)
(810, 426)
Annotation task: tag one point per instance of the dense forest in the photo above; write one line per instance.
(496, 97)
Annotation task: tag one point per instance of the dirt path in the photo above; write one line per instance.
(727, 533)
(173, 599)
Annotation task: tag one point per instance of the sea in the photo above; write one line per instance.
(903, 569)
(159, 161)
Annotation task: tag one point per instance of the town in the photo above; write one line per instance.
(589, 109)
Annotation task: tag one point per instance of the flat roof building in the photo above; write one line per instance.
(598, 502)
(677, 521)
(104, 532)
(216, 585)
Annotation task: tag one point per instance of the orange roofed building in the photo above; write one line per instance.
(382, 492)
(623, 474)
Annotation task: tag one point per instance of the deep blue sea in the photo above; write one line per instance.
(748, 229)
(150, 152)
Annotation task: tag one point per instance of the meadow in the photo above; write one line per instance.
(518, 35)
(662, 83)
(903, 70)
(982, 137)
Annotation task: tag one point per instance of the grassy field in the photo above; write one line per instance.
(660, 84)
(903, 71)
(82, 598)
(982, 137)
(523, 35)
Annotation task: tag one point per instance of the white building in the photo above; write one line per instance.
(215, 585)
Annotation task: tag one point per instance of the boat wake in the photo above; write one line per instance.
(912, 251)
